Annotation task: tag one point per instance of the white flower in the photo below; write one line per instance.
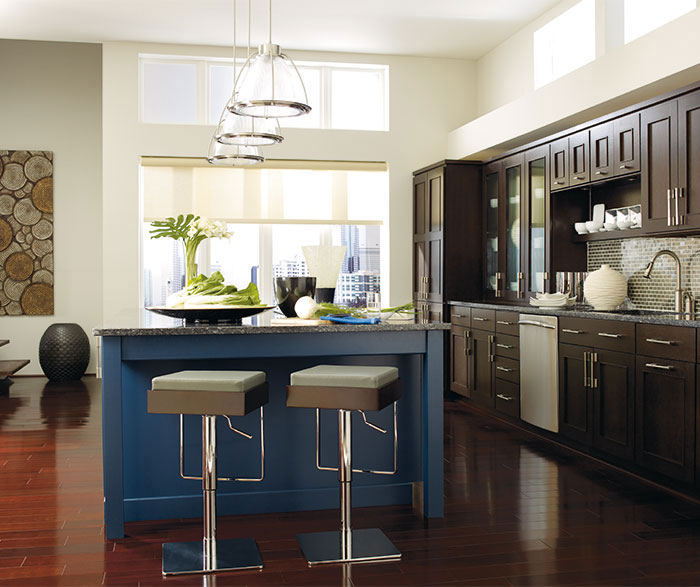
(209, 228)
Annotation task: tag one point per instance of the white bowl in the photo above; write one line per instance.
(610, 225)
(580, 227)
(593, 226)
(624, 224)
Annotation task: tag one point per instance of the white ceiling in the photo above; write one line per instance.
(464, 29)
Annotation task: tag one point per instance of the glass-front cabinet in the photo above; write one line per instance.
(516, 226)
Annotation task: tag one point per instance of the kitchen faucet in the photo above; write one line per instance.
(683, 299)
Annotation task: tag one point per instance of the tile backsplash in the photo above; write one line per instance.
(630, 257)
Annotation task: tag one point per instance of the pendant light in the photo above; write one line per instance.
(237, 129)
(233, 155)
(269, 86)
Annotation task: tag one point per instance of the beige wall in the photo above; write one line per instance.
(50, 99)
(428, 98)
(511, 112)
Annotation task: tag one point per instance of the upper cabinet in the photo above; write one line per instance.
(671, 165)
(579, 155)
(446, 236)
(537, 225)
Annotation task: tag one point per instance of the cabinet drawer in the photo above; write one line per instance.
(507, 346)
(483, 319)
(508, 398)
(602, 334)
(666, 342)
(507, 322)
(460, 316)
(508, 369)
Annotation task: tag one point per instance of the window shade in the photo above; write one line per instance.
(277, 192)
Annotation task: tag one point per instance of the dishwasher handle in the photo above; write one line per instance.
(540, 324)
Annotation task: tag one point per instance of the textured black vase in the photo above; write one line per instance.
(64, 352)
(288, 290)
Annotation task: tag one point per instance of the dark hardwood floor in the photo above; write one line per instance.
(517, 513)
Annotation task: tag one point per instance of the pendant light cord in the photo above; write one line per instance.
(269, 21)
(234, 45)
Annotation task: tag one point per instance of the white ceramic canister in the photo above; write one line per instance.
(605, 289)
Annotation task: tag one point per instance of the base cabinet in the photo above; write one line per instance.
(666, 417)
(482, 361)
(460, 363)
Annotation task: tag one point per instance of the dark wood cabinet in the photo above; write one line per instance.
(574, 398)
(446, 236)
(665, 418)
(482, 362)
(460, 360)
(579, 158)
(559, 164)
(537, 226)
(602, 151)
(626, 145)
(689, 159)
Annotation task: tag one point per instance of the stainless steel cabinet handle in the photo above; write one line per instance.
(585, 368)
(478, 319)
(491, 353)
(521, 293)
(601, 172)
(504, 369)
(504, 322)
(540, 324)
(504, 346)
(657, 341)
(593, 361)
(657, 366)
(623, 166)
(572, 331)
(579, 177)
(505, 398)
(668, 200)
(558, 182)
(675, 195)
(608, 335)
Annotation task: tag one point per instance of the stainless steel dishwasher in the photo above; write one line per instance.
(539, 371)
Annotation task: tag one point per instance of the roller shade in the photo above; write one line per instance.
(278, 192)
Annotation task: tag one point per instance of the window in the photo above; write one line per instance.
(565, 43)
(643, 16)
(176, 90)
(272, 213)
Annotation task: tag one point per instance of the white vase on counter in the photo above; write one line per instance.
(605, 289)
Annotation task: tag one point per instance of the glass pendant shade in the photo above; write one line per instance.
(234, 129)
(269, 86)
(233, 155)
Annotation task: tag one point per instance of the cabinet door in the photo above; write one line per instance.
(511, 260)
(420, 270)
(559, 164)
(613, 403)
(574, 396)
(492, 281)
(434, 269)
(482, 361)
(665, 423)
(538, 221)
(420, 204)
(659, 165)
(434, 194)
(434, 312)
(602, 151)
(689, 159)
(579, 164)
(460, 359)
(626, 145)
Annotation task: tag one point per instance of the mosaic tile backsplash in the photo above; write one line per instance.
(631, 256)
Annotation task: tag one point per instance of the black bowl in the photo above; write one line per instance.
(288, 290)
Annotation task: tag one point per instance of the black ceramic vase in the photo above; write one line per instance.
(288, 290)
(64, 352)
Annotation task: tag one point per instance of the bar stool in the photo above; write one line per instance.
(210, 394)
(346, 389)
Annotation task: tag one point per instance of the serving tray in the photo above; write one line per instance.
(227, 314)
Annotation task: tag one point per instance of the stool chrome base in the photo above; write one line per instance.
(368, 545)
(231, 555)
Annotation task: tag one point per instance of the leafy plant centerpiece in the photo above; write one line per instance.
(191, 230)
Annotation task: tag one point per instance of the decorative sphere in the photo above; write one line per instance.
(305, 307)
(605, 289)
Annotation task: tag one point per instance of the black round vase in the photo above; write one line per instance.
(288, 290)
(64, 352)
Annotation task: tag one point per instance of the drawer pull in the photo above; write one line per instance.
(558, 182)
(623, 166)
(572, 331)
(499, 368)
(657, 366)
(504, 322)
(579, 177)
(505, 398)
(504, 346)
(601, 172)
(609, 335)
(480, 319)
(657, 341)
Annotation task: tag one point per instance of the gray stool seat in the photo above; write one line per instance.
(344, 387)
(232, 393)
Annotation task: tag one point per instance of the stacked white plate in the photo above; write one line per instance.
(555, 300)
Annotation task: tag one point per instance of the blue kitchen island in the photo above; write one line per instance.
(141, 450)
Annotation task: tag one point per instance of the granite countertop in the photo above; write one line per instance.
(585, 311)
(144, 323)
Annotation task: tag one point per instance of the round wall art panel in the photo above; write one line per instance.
(26, 233)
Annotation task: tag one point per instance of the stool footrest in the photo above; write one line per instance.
(368, 544)
(188, 557)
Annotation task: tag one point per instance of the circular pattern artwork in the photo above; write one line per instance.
(26, 232)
